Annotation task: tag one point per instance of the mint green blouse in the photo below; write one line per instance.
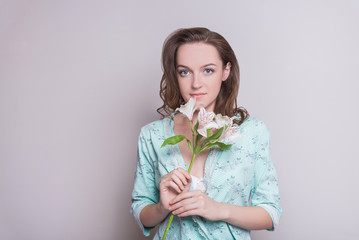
(243, 175)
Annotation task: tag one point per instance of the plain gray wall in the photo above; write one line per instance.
(79, 78)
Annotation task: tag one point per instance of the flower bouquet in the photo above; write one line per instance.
(209, 131)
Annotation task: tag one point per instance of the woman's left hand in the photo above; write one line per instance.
(195, 203)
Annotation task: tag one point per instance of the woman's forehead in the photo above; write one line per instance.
(197, 54)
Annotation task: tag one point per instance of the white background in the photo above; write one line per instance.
(79, 78)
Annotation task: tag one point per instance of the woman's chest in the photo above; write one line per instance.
(230, 176)
(198, 164)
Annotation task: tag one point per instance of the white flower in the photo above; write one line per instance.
(188, 109)
(230, 134)
(205, 120)
(223, 120)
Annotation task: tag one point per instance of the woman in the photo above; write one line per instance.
(229, 192)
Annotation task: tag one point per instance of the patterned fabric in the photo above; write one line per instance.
(243, 175)
(198, 183)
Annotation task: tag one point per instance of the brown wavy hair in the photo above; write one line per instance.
(226, 102)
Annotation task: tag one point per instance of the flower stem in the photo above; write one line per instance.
(171, 218)
(168, 226)
(190, 165)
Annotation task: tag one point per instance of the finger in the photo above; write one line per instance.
(182, 204)
(191, 212)
(183, 175)
(187, 188)
(186, 206)
(175, 187)
(184, 172)
(176, 179)
(185, 195)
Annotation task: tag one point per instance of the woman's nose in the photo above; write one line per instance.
(196, 81)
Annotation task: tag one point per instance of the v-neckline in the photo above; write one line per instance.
(183, 162)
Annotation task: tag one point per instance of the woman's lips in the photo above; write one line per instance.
(197, 95)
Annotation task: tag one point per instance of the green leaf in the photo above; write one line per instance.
(215, 136)
(209, 132)
(218, 133)
(189, 144)
(173, 140)
(223, 146)
(198, 138)
(211, 145)
(196, 126)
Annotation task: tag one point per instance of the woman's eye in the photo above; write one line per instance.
(184, 73)
(208, 71)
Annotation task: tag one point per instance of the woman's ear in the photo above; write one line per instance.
(226, 71)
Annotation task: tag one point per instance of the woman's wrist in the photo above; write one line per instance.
(161, 209)
(223, 212)
(153, 214)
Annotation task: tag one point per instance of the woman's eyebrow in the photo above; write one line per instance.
(206, 65)
(182, 66)
(209, 64)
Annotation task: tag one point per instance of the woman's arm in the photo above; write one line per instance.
(198, 203)
(251, 218)
(170, 186)
(153, 214)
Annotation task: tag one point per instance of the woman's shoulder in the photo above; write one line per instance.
(158, 126)
(253, 125)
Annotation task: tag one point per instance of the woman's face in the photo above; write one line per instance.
(200, 73)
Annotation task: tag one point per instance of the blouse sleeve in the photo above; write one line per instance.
(264, 190)
(145, 191)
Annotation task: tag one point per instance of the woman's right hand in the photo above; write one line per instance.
(172, 184)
